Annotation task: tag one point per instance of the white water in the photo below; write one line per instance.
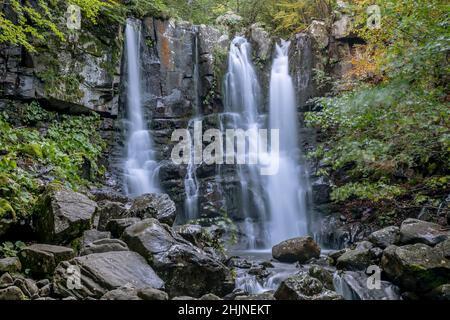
(191, 186)
(242, 103)
(141, 169)
(287, 190)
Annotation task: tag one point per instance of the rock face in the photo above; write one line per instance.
(385, 237)
(186, 269)
(418, 231)
(153, 205)
(304, 287)
(416, 267)
(63, 215)
(42, 259)
(103, 272)
(297, 249)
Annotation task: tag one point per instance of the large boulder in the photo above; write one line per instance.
(385, 237)
(42, 259)
(187, 270)
(104, 245)
(299, 249)
(154, 205)
(118, 226)
(62, 215)
(416, 267)
(357, 259)
(418, 231)
(108, 210)
(302, 286)
(103, 272)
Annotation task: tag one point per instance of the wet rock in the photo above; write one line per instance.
(122, 293)
(440, 293)
(152, 294)
(209, 296)
(103, 272)
(118, 226)
(154, 205)
(104, 245)
(194, 233)
(417, 267)
(108, 210)
(42, 283)
(353, 285)
(260, 296)
(6, 280)
(418, 231)
(10, 264)
(42, 259)
(63, 215)
(297, 249)
(27, 286)
(109, 195)
(92, 235)
(235, 262)
(385, 237)
(174, 258)
(45, 291)
(263, 41)
(11, 293)
(323, 275)
(304, 287)
(355, 260)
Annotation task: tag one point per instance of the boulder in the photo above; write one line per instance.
(263, 41)
(297, 249)
(42, 259)
(27, 286)
(319, 32)
(152, 294)
(322, 275)
(416, 267)
(355, 260)
(385, 237)
(304, 287)
(118, 226)
(440, 293)
(418, 231)
(6, 280)
(259, 296)
(122, 293)
(108, 210)
(11, 293)
(104, 245)
(187, 270)
(154, 205)
(62, 215)
(92, 235)
(103, 272)
(10, 264)
(195, 234)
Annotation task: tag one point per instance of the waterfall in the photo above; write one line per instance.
(141, 169)
(191, 186)
(287, 189)
(242, 104)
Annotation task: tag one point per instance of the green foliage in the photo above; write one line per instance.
(387, 139)
(10, 249)
(60, 151)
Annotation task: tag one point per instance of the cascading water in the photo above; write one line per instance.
(242, 103)
(191, 187)
(141, 169)
(287, 189)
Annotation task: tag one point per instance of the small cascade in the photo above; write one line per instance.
(191, 186)
(287, 190)
(140, 168)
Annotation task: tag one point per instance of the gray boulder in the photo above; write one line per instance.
(62, 215)
(103, 272)
(154, 205)
(108, 210)
(104, 245)
(385, 237)
(118, 226)
(11, 293)
(42, 259)
(355, 260)
(297, 249)
(304, 287)
(92, 235)
(187, 270)
(418, 231)
(416, 267)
